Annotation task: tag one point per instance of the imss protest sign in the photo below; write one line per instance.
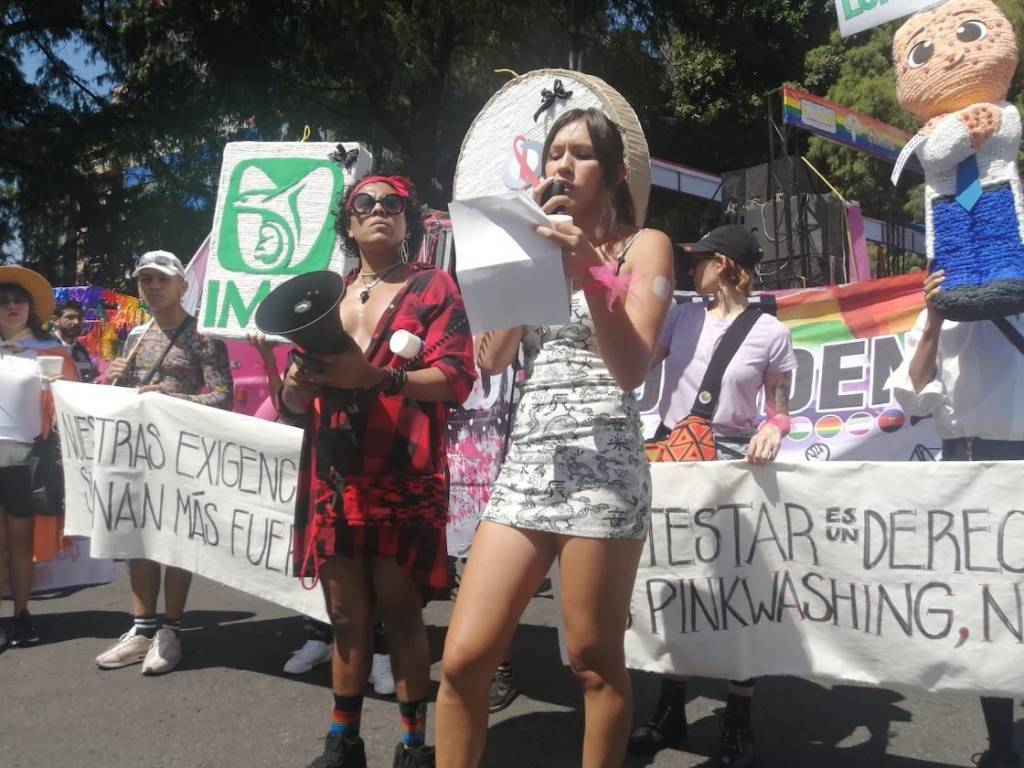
(275, 215)
(893, 573)
(186, 485)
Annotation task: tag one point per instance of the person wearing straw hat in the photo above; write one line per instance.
(26, 303)
(575, 486)
(167, 355)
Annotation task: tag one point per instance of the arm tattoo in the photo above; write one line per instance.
(777, 394)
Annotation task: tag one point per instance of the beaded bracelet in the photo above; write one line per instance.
(394, 381)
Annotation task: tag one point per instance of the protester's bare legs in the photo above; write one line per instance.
(144, 576)
(19, 542)
(349, 594)
(145, 580)
(491, 600)
(176, 585)
(596, 578)
(400, 605)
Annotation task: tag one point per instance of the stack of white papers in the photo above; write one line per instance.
(509, 275)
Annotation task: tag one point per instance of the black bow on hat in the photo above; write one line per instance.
(547, 98)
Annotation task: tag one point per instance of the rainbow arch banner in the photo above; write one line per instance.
(844, 126)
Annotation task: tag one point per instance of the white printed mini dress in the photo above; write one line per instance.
(576, 464)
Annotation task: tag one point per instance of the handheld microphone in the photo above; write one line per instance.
(556, 188)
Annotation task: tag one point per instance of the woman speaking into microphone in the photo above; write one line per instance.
(373, 492)
(575, 485)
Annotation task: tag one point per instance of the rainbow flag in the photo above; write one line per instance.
(848, 339)
(855, 311)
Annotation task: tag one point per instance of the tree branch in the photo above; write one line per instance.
(62, 66)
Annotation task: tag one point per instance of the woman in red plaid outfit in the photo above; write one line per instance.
(373, 491)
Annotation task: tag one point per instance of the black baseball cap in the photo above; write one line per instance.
(732, 240)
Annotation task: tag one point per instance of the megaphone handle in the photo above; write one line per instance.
(310, 364)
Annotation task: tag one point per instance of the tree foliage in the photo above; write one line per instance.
(90, 176)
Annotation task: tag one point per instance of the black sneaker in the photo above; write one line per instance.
(992, 759)
(341, 752)
(503, 688)
(23, 632)
(413, 757)
(667, 724)
(735, 746)
(4, 641)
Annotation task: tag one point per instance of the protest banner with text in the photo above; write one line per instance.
(883, 573)
(157, 477)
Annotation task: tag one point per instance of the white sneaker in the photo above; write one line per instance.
(129, 649)
(164, 653)
(381, 679)
(312, 654)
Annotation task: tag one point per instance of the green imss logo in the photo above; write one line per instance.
(277, 216)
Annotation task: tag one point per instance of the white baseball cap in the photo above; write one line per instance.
(161, 261)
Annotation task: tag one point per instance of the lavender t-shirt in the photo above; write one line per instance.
(691, 336)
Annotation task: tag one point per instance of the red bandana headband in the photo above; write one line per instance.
(401, 185)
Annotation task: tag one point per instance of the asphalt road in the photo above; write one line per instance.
(229, 704)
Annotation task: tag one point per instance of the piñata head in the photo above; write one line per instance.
(954, 65)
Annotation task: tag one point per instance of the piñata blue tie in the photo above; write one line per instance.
(968, 183)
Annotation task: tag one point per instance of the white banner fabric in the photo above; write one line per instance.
(888, 573)
(210, 491)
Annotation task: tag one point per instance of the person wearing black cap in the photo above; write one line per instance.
(722, 264)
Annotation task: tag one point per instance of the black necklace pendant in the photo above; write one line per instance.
(364, 295)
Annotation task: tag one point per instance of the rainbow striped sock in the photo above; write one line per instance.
(414, 722)
(346, 715)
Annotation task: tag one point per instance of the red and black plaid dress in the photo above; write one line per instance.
(373, 478)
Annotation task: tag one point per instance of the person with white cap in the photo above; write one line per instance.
(166, 355)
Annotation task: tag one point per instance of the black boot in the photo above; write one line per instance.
(667, 724)
(341, 752)
(736, 744)
(413, 757)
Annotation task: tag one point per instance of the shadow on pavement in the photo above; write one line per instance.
(72, 625)
(535, 740)
(799, 723)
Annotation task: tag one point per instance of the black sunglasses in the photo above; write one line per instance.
(392, 204)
